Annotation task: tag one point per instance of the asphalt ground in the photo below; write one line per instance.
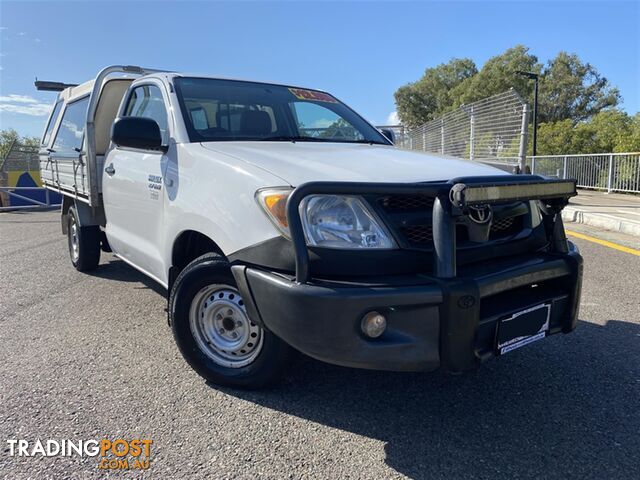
(91, 356)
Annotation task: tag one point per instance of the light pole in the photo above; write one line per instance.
(533, 76)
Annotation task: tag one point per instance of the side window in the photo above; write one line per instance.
(71, 130)
(52, 122)
(146, 101)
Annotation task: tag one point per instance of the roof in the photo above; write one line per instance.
(235, 79)
(73, 93)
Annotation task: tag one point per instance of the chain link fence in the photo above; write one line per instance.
(20, 185)
(492, 129)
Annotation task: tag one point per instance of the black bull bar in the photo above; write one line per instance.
(452, 199)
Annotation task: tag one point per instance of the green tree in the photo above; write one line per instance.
(572, 89)
(498, 75)
(554, 137)
(604, 131)
(7, 137)
(568, 89)
(430, 96)
(607, 131)
(631, 141)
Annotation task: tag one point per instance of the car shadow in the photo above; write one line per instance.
(563, 408)
(112, 268)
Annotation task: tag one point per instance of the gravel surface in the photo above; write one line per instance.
(88, 356)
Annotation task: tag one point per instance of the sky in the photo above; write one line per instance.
(359, 51)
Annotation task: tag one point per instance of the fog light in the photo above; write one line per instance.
(373, 324)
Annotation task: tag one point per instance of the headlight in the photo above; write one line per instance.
(340, 221)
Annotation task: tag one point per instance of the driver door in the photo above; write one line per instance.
(133, 190)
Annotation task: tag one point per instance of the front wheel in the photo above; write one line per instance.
(84, 243)
(214, 332)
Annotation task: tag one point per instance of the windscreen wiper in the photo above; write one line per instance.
(370, 142)
(293, 138)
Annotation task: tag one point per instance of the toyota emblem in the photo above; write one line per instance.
(481, 215)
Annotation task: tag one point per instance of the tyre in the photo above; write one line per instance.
(214, 333)
(84, 243)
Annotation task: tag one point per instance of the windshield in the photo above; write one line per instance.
(226, 110)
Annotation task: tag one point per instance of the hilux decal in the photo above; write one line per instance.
(154, 185)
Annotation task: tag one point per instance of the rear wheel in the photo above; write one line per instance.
(214, 332)
(84, 243)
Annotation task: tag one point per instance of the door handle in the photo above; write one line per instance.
(110, 170)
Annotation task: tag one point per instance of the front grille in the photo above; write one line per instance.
(418, 234)
(406, 203)
(422, 235)
(502, 224)
(410, 217)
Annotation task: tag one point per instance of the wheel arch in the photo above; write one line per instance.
(187, 246)
(86, 215)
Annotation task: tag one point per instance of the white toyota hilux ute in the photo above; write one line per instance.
(278, 219)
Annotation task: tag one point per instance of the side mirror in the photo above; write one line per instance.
(137, 132)
(387, 132)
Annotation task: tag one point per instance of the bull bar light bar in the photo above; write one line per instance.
(465, 195)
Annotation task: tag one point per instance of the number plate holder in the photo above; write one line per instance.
(522, 328)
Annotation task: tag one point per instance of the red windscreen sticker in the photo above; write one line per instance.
(303, 94)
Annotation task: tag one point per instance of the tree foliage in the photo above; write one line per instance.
(568, 88)
(606, 131)
(553, 138)
(498, 75)
(430, 96)
(9, 136)
(631, 141)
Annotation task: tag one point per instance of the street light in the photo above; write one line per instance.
(533, 76)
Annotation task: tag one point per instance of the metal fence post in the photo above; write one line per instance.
(533, 164)
(522, 153)
(442, 136)
(424, 138)
(472, 138)
(564, 167)
(610, 176)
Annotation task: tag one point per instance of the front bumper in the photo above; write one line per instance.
(431, 323)
(446, 317)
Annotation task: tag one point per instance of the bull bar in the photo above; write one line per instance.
(452, 199)
(444, 320)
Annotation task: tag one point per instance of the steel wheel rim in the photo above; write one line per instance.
(75, 242)
(222, 329)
